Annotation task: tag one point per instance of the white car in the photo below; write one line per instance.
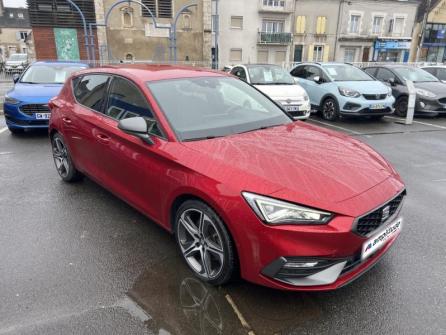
(279, 85)
(16, 63)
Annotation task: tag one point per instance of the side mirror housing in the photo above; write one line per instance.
(391, 81)
(138, 127)
(15, 77)
(317, 79)
(296, 80)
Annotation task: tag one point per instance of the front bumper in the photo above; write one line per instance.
(17, 119)
(363, 107)
(297, 109)
(430, 107)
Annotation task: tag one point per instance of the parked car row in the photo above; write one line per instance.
(343, 90)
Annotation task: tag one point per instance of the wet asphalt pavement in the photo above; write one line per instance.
(77, 260)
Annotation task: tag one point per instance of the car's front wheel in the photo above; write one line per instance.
(330, 109)
(62, 159)
(401, 106)
(204, 242)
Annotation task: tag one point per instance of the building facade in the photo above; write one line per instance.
(14, 30)
(433, 46)
(375, 30)
(130, 34)
(255, 31)
(315, 27)
(58, 30)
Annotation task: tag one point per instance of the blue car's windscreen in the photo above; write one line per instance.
(46, 74)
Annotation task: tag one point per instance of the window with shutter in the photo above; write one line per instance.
(165, 8)
(151, 4)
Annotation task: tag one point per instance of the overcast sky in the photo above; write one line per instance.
(14, 3)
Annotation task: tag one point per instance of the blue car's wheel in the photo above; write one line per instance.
(330, 109)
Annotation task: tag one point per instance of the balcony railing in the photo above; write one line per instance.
(276, 6)
(274, 38)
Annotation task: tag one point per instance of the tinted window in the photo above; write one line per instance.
(239, 72)
(431, 70)
(90, 90)
(299, 72)
(371, 71)
(385, 75)
(414, 74)
(214, 106)
(125, 100)
(441, 74)
(311, 72)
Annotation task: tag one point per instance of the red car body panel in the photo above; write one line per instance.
(299, 163)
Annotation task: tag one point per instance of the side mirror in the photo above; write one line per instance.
(296, 80)
(138, 127)
(317, 79)
(391, 81)
(15, 77)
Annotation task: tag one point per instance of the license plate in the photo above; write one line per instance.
(379, 240)
(377, 106)
(292, 108)
(43, 116)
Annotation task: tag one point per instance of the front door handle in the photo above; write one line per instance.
(66, 120)
(104, 139)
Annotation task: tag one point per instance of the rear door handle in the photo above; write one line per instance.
(104, 139)
(66, 120)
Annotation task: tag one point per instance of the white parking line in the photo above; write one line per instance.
(419, 122)
(332, 125)
(2, 130)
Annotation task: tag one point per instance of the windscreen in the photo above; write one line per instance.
(342, 72)
(414, 74)
(49, 74)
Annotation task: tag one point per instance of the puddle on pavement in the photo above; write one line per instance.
(175, 302)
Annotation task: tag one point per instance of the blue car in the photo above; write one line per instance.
(338, 89)
(26, 104)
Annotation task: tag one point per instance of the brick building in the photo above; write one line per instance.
(57, 28)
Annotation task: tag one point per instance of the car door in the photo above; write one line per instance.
(391, 80)
(315, 90)
(79, 124)
(132, 168)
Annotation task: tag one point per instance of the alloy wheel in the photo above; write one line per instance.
(200, 243)
(329, 109)
(60, 156)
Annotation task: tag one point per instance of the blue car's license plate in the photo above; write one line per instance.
(43, 116)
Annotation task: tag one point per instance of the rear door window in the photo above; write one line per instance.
(90, 90)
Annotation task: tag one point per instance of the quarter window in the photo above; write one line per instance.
(90, 90)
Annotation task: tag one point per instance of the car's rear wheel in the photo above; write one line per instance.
(204, 242)
(62, 159)
(330, 109)
(401, 106)
(16, 131)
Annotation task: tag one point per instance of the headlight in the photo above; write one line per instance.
(347, 92)
(306, 97)
(11, 101)
(277, 212)
(425, 93)
(389, 93)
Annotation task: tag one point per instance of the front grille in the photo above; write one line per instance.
(296, 114)
(372, 221)
(375, 96)
(31, 109)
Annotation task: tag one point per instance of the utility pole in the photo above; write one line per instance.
(338, 27)
(423, 28)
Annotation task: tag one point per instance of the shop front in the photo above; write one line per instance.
(391, 50)
(434, 43)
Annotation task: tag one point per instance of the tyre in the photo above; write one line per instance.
(330, 109)
(401, 105)
(16, 131)
(204, 242)
(62, 159)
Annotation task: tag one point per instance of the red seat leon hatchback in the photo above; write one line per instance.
(243, 187)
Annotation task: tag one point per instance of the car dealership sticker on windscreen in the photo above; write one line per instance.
(379, 240)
